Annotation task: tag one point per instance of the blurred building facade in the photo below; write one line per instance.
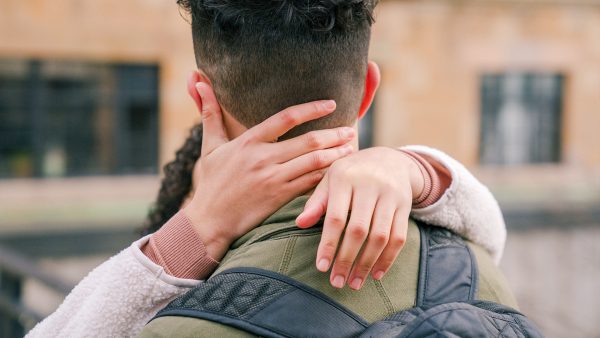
(93, 101)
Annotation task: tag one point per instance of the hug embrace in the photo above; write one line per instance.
(270, 222)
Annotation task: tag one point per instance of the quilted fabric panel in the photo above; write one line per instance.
(231, 295)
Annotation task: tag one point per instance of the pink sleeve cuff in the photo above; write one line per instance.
(178, 249)
(433, 188)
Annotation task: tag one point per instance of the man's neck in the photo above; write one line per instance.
(283, 218)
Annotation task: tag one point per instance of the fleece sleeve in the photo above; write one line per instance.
(116, 299)
(467, 207)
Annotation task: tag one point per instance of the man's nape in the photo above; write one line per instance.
(261, 57)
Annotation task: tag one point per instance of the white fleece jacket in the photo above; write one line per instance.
(121, 295)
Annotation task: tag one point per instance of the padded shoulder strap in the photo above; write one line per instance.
(267, 304)
(448, 269)
(273, 305)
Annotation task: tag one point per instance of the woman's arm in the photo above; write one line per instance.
(116, 299)
(367, 197)
(467, 207)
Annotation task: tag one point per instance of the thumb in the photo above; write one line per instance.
(213, 130)
(315, 207)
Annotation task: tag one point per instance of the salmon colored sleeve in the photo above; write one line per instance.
(436, 179)
(178, 249)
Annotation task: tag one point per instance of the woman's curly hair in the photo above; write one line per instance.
(176, 184)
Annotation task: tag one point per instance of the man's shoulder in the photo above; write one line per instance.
(493, 285)
(174, 326)
(292, 252)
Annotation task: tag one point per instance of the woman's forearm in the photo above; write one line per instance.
(467, 207)
(116, 299)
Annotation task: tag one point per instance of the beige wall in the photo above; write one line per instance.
(109, 30)
(91, 30)
(433, 52)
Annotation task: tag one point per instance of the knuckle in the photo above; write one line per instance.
(385, 263)
(287, 118)
(340, 134)
(205, 113)
(265, 179)
(336, 221)
(313, 141)
(317, 107)
(316, 177)
(379, 238)
(357, 231)
(343, 264)
(362, 269)
(328, 247)
(318, 159)
(397, 241)
(245, 140)
(259, 161)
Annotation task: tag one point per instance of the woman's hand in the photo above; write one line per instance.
(243, 181)
(378, 185)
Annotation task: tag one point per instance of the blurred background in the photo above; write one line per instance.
(93, 103)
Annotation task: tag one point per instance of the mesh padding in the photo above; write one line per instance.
(231, 295)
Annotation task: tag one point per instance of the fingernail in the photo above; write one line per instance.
(338, 282)
(323, 265)
(348, 132)
(198, 86)
(378, 275)
(329, 104)
(356, 283)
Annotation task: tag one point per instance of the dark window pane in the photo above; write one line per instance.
(521, 118)
(73, 118)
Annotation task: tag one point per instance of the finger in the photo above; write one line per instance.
(376, 242)
(311, 141)
(277, 125)
(315, 207)
(305, 183)
(192, 91)
(395, 243)
(363, 205)
(318, 159)
(213, 129)
(340, 196)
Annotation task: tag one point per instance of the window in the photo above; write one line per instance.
(521, 118)
(65, 118)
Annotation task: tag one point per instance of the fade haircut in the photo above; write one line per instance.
(264, 56)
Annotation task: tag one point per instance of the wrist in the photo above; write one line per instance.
(417, 174)
(215, 240)
(178, 249)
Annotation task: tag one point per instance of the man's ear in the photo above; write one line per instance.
(194, 78)
(371, 84)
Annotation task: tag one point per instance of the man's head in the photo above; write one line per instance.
(263, 56)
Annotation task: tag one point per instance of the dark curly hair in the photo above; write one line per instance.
(176, 183)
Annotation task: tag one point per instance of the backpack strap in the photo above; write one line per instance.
(447, 273)
(448, 268)
(267, 304)
(273, 305)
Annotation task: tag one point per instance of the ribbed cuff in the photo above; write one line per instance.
(178, 249)
(432, 189)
